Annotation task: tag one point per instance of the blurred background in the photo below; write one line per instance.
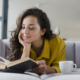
(64, 16)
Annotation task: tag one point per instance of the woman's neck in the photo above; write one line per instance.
(38, 45)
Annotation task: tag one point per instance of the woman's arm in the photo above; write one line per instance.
(26, 52)
(43, 68)
(60, 57)
(27, 46)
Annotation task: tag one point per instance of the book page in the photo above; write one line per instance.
(43, 76)
(2, 65)
(32, 74)
(46, 76)
(5, 60)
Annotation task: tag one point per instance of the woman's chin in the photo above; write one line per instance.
(28, 41)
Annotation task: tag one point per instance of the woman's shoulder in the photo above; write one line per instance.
(56, 40)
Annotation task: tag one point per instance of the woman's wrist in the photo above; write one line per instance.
(24, 56)
(50, 70)
(26, 53)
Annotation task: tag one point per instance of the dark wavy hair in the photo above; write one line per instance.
(43, 21)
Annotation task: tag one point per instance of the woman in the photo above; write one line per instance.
(33, 38)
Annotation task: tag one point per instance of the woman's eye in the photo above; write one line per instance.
(31, 28)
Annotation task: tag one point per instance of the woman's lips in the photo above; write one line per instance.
(26, 37)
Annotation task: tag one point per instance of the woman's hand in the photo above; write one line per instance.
(27, 46)
(43, 68)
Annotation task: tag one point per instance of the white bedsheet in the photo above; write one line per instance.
(15, 76)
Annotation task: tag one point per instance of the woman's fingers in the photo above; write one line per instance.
(35, 69)
(20, 37)
(41, 62)
(41, 68)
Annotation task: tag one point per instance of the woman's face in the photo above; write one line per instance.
(31, 29)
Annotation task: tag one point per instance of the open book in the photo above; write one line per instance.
(17, 66)
(22, 66)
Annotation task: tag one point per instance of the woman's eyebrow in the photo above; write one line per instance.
(31, 24)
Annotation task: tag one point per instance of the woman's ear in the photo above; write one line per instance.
(43, 31)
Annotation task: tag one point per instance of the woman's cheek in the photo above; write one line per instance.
(32, 33)
(22, 31)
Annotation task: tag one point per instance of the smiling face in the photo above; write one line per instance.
(30, 30)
